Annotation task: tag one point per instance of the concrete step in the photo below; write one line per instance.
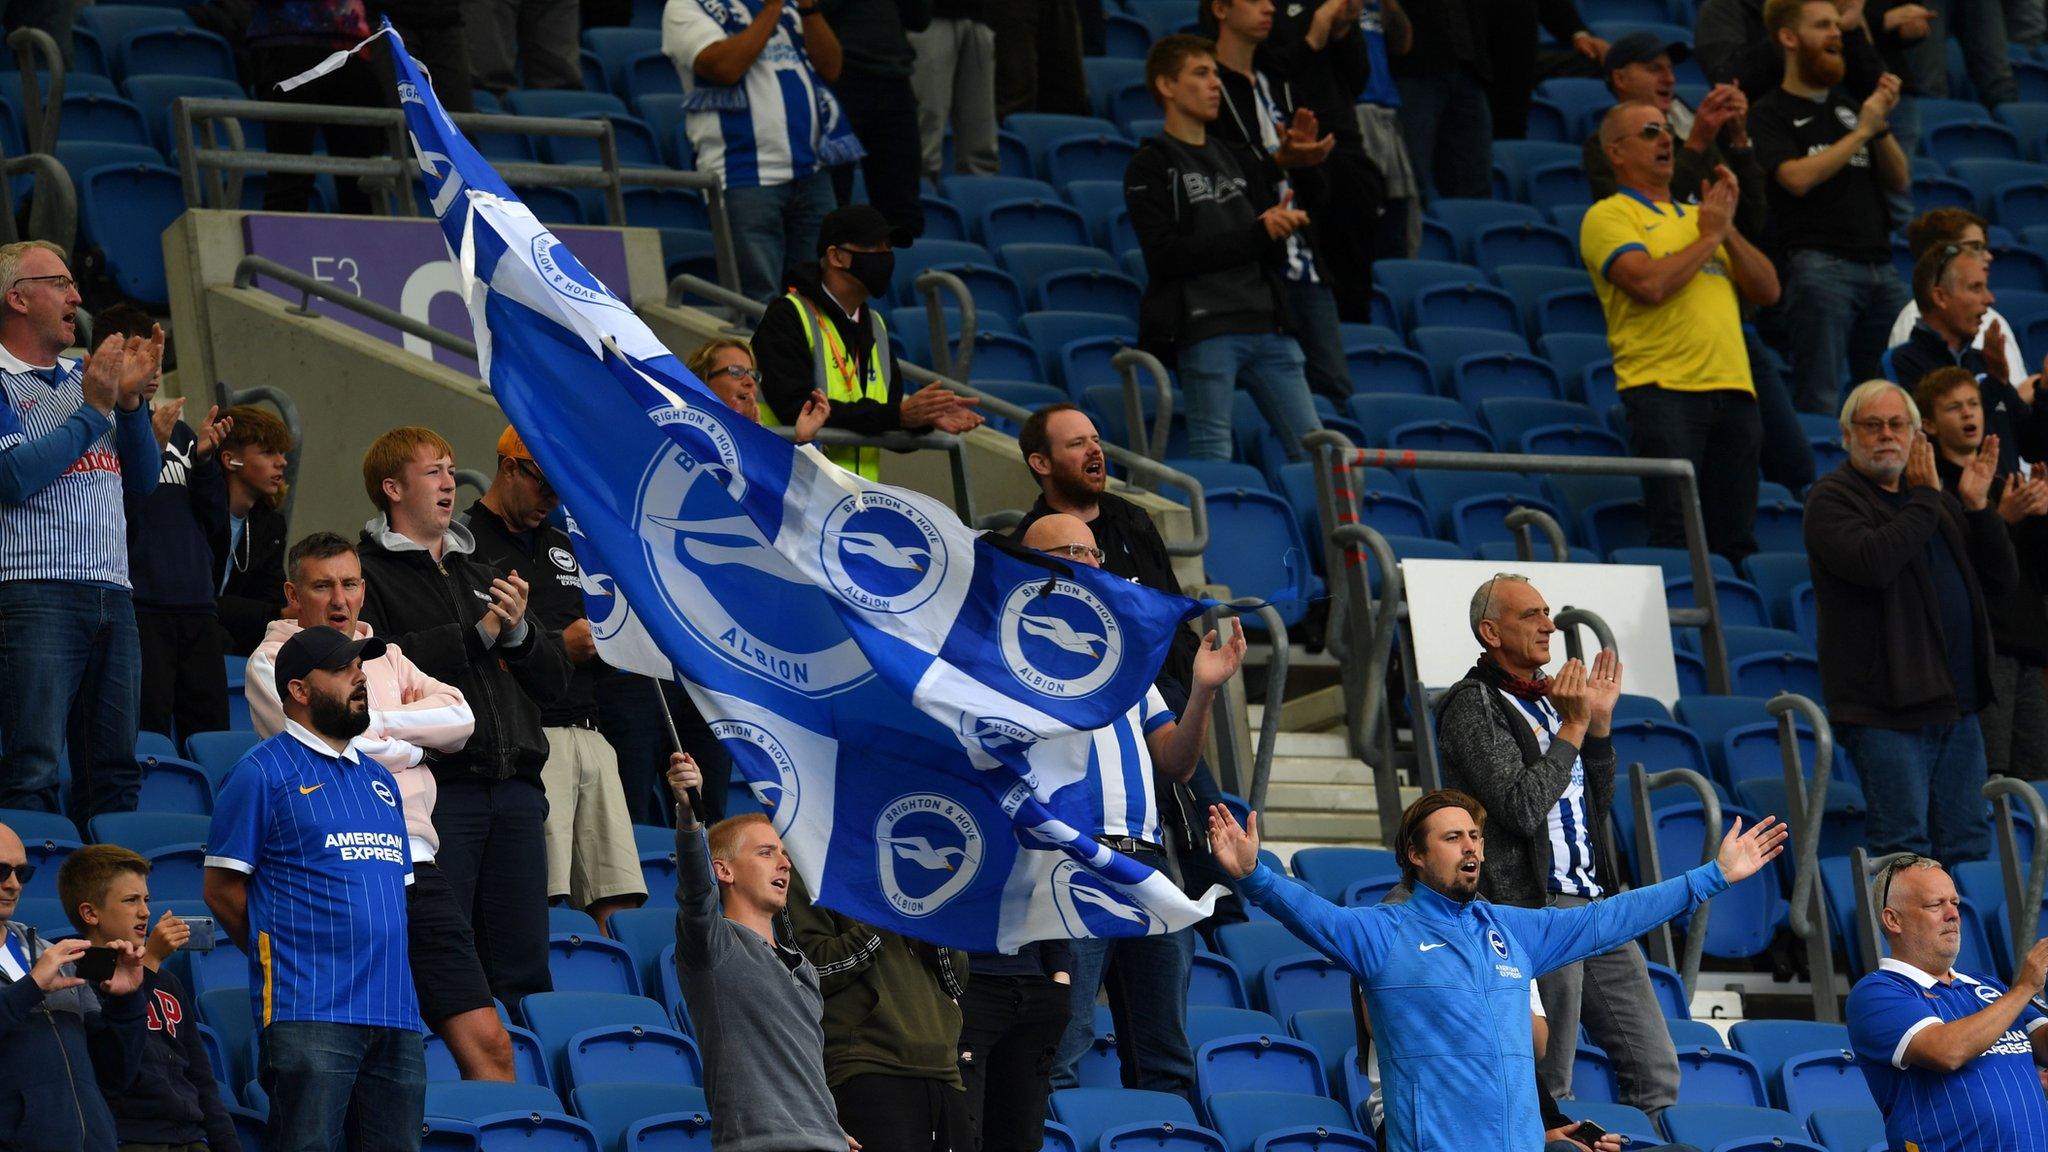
(1283, 796)
(1321, 827)
(1308, 743)
(1319, 770)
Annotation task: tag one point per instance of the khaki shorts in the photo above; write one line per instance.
(591, 854)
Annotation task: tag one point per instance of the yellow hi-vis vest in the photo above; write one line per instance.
(837, 374)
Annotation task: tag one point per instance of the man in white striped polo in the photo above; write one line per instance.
(74, 438)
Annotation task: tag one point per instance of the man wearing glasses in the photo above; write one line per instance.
(592, 861)
(1901, 570)
(75, 439)
(1951, 1058)
(1668, 275)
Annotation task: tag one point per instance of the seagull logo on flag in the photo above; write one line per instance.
(1063, 634)
(884, 551)
(1110, 904)
(919, 851)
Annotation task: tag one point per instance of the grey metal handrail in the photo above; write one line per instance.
(228, 396)
(947, 358)
(1129, 362)
(2022, 896)
(251, 267)
(52, 205)
(1227, 768)
(40, 117)
(1520, 520)
(1568, 621)
(1372, 644)
(1806, 807)
(473, 478)
(1641, 783)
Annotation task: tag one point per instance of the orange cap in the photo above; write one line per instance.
(509, 444)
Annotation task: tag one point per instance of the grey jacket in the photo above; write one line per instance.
(1482, 756)
(758, 1012)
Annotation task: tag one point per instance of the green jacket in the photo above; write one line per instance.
(891, 1003)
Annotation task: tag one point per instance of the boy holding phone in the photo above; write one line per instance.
(173, 1101)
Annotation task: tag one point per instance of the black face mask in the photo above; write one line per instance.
(873, 269)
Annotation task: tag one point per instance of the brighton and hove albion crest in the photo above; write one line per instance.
(882, 553)
(928, 850)
(767, 768)
(1089, 906)
(1064, 644)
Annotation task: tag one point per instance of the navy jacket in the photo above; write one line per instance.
(58, 1052)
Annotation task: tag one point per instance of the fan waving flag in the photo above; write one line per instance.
(913, 705)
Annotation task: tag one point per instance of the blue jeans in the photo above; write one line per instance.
(772, 227)
(1842, 311)
(70, 674)
(1270, 366)
(1448, 126)
(1322, 342)
(335, 1086)
(1924, 788)
(1147, 978)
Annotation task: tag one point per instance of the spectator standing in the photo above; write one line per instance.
(1536, 751)
(1978, 26)
(1012, 1016)
(1445, 119)
(2015, 721)
(286, 38)
(1038, 57)
(1734, 47)
(1150, 973)
(825, 336)
(306, 870)
(1517, 60)
(438, 42)
(892, 1029)
(1952, 1058)
(1937, 228)
(75, 442)
(875, 88)
(1256, 109)
(412, 716)
(755, 1001)
(954, 79)
(593, 862)
(524, 44)
(1386, 33)
(248, 543)
(464, 623)
(1670, 282)
(1952, 292)
(761, 118)
(1902, 571)
(62, 1044)
(1215, 244)
(174, 1101)
(177, 623)
(1831, 163)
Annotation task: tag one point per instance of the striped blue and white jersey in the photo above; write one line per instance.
(1991, 1104)
(1301, 261)
(64, 468)
(1118, 795)
(772, 135)
(1571, 843)
(322, 840)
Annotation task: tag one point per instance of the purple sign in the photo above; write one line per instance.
(402, 264)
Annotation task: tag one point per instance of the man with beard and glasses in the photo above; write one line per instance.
(1902, 572)
(306, 869)
(1832, 163)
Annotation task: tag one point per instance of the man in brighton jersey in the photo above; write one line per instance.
(1446, 975)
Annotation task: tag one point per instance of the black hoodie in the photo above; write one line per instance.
(171, 562)
(174, 1099)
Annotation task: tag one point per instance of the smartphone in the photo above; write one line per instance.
(205, 936)
(96, 965)
(1588, 1132)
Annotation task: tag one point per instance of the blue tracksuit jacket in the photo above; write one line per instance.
(1448, 988)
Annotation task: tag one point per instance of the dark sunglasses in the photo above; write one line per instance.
(1884, 895)
(533, 474)
(27, 872)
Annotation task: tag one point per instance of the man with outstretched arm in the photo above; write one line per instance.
(1446, 975)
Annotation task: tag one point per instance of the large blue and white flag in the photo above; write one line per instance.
(913, 705)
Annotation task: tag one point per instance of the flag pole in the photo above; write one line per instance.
(668, 720)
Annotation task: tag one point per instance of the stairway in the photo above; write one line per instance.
(1318, 794)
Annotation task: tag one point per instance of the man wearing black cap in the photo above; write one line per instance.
(306, 868)
(823, 336)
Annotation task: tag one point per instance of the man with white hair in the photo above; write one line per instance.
(1900, 570)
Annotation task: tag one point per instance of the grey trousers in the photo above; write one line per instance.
(2026, 22)
(538, 36)
(2016, 721)
(1611, 992)
(955, 80)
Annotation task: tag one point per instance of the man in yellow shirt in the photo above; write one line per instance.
(1667, 275)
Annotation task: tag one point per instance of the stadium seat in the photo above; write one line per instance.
(98, 116)
(46, 857)
(1089, 1112)
(1744, 918)
(145, 832)
(1257, 550)
(1970, 140)
(227, 1011)
(1582, 100)
(1712, 1125)
(33, 825)
(1693, 1034)
(219, 752)
(1206, 1023)
(1333, 1033)
(1848, 1129)
(1445, 347)
(1032, 263)
(1517, 158)
(123, 210)
(529, 1062)
(177, 871)
(1987, 179)
(172, 51)
(1740, 603)
(1378, 413)
(1332, 870)
(1473, 502)
(1464, 305)
(1213, 981)
(1769, 673)
(1810, 1081)
(1251, 946)
(170, 784)
(591, 963)
(1101, 156)
(1617, 1118)
(558, 1017)
(1300, 983)
(614, 1053)
(1388, 370)
(1258, 1121)
(1658, 745)
(1403, 280)
(1261, 1063)
(670, 1110)
(1485, 376)
(1720, 1076)
(1674, 561)
(470, 1099)
(1592, 1074)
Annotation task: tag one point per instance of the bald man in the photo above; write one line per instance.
(53, 1027)
(1119, 805)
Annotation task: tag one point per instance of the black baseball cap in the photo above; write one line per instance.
(320, 649)
(1641, 48)
(860, 224)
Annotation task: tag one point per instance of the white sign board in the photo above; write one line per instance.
(1630, 597)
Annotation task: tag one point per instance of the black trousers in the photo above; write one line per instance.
(629, 718)
(1010, 1029)
(1721, 434)
(904, 1113)
(1038, 57)
(494, 854)
(1347, 223)
(184, 678)
(353, 84)
(883, 113)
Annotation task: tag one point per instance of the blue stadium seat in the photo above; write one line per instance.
(1261, 1063)
(1572, 311)
(1258, 551)
(615, 48)
(1467, 305)
(1106, 74)
(1486, 376)
(1741, 604)
(1058, 1139)
(110, 22)
(928, 254)
(227, 1011)
(1769, 673)
(1331, 870)
(1693, 1034)
(1573, 440)
(559, 1017)
(1101, 156)
(972, 194)
(145, 832)
(1215, 1022)
(1584, 364)
(1437, 242)
(1088, 363)
(1931, 192)
(1256, 1121)
(1439, 436)
(1617, 1118)
(994, 291)
(1213, 981)
(942, 221)
(470, 1099)
(1529, 284)
(645, 932)
(1251, 946)
(1099, 202)
(219, 752)
(98, 116)
(1848, 1129)
(1547, 123)
(1403, 280)
(580, 963)
(1775, 574)
(1938, 111)
(1002, 356)
(529, 1062)
(1040, 131)
(1810, 1081)
(46, 857)
(2029, 121)
(1552, 186)
(1971, 140)
(563, 920)
(1444, 492)
(665, 208)
(1841, 826)
(173, 51)
(1333, 1033)
(1125, 36)
(675, 1116)
(1378, 413)
(1720, 1076)
(1089, 1112)
(1444, 347)
(1300, 983)
(1575, 494)
(1986, 179)
(1674, 561)
(613, 1053)
(170, 784)
(1583, 101)
(1526, 244)
(1593, 1074)
(1032, 263)
(1517, 158)
(1386, 369)
(123, 209)
(1712, 1125)
(671, 986)
(1091, 290)
(1744, 918)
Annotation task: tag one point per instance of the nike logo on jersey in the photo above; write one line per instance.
(305, 791)
(1802, 123)
(1431, 947)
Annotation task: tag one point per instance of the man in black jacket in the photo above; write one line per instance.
(1215, 245)
(171, 562)
(592, 860)
(464, 623)
(1902, 570)
(1952, 287)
